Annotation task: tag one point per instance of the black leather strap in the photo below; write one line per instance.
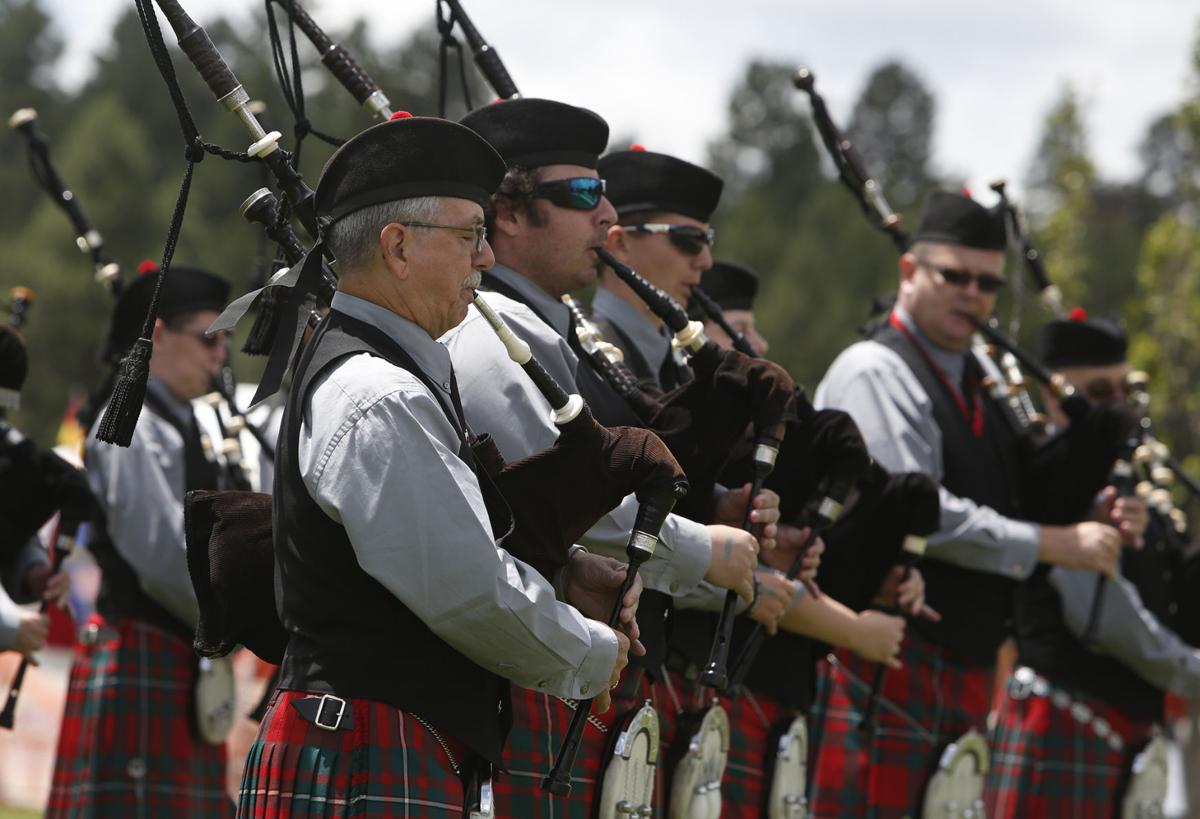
(328, 712)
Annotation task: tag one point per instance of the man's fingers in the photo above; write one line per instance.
(602, 702)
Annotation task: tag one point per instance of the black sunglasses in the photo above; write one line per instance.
(217, 339)
(577, 193)
(688, 238)
(986, 282)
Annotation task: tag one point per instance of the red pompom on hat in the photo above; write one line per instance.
(399, 115)
(966, 191)
(147, 266)
(637, 147)
(1077, 314)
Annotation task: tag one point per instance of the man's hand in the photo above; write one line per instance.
(734, 556)
(906, 595)
(776, 597)
(788, 543)
(731, 509)
(878, 638)
(603, 700)
(590, 583)
(1086, 545)
(1128, 514)
(32, 632)
(55, 588)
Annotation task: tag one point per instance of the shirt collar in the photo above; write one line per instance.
(180, 409)
(433, 358)
(650, 340)
(951, 362)
(544, 304)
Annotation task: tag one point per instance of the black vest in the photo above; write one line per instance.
(121, 594)
(610, 409)
(349, 635)
(976, 607)
(1046, 645)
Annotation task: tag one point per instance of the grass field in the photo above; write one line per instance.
(17, 813)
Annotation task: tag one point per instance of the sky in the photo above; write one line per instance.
(664, 70)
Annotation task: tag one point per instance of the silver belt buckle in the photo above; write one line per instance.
(337, 720)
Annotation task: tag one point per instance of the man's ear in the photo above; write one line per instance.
(908, 266)
(160, 327)
(509, 220)
(618, 242)
(394, 246)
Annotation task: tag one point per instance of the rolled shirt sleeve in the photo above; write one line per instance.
(1128, 631)
(390, 473)
(499, 399)
(895, 416)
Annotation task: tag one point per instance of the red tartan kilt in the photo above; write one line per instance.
(941, 697)
(128, 744)
(388, 764)
(1044, 763)
(748, 772)
(540, 723)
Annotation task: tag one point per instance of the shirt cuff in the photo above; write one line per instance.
(707, 597)
(682, 565)
(1023, 545)
(591, 678)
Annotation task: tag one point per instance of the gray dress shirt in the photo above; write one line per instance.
(653, 343)
(498, 398)
(379, 456)
(140, 488)
(1128, 632)
(877, 388)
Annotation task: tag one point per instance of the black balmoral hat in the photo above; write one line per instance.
(14, 366)
(1080, 341)
(530, 133)
(730, 285)
(185, 290)
(640, 180)
(957, 219)
(406, 158)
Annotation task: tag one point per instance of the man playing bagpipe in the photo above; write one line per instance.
(862, 590)
(1086, 699)
(405, 618)
(549, 214)
(37, 483)
(130, 742)
(916, 391)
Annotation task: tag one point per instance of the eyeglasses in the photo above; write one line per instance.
(577, 193)
(986, 282)
(688, 238)
(212, 342)
(479, 230)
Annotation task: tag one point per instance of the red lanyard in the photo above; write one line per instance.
(974, 416)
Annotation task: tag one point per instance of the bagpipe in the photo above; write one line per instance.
(108, 273)
(38, 483)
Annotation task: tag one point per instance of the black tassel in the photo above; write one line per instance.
(266, 323)
(121, 417)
